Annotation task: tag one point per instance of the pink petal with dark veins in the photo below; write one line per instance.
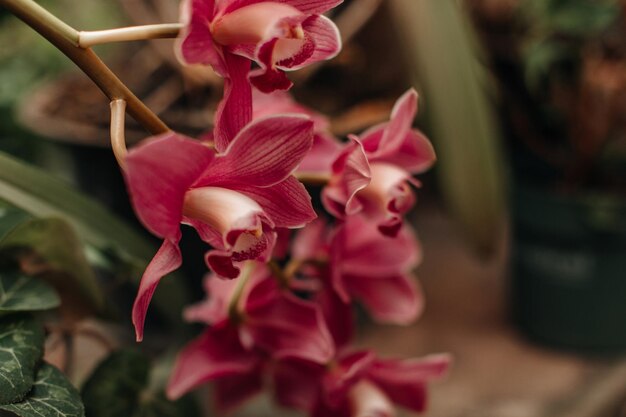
(264, 153)
(287, 204)
(166, 260)
(235, 110)
(159, 171)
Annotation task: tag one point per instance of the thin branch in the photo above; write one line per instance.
(118, 138)
(134, 33)
(64, 38)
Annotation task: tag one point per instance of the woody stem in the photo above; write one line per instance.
(66, 39)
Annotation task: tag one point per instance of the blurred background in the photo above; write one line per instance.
(522, 221)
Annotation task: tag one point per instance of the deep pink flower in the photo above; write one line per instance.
(357, 384)
(325, 146)
(279, 35)
(363, 265)
(234, 199)
(268, 318)
(218, 356)
(372, 174)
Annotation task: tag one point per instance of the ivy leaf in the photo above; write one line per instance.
(114, 388)
(52, 395)
(55, 242)
(21, 293)
(21, 347)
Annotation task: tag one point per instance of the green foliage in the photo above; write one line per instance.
(459, 113)
(21, 347)
(121, 386)
(557, 31)
(115, 387)
(52, 395)
(60, 249)
(19, 293)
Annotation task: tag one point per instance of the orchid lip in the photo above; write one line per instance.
(225, 210)
(388, 181)
(255, 23)
(367, 400)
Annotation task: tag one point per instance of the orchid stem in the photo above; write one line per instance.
(311, 178)
(133, 33)
(65, 38)
(234, 312)
(118, 138)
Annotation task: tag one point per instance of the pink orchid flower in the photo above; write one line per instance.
(235, 200)
(268, 317)
(269, 323)
(279, 35)
(372, 174)
(365, 266)
(219, 356)
(357, 384)
(325, 146)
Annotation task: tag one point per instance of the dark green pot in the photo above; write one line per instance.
(569, 269)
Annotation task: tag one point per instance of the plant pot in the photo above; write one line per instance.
(569, 269)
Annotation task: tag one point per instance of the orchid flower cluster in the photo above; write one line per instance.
(279, 310)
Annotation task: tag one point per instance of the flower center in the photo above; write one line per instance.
(233, 215)
(256, 22)
(388, 182)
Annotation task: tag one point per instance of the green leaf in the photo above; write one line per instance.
(114, 389)
(10, 217)
(21, 347)
(42, 195)
(52, 395)
(465, 136)
(22, 293)
(159, 406)
(54, 241)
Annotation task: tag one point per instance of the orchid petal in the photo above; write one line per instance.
(351, 174)
(324, 151)
(393, 299)
(281, 102)
(287, 204)
(218, 353)
(305, 6)
(367, 400)
(326, 43)
(405, 381)
(267, 79)
(416, 154)
(287, 326)
(400, 123)
(365, 253)
(338, 315)
(214, 309)
(349, 370)
(235, 110)
(166, 260)
(224, 262)
(231, 391)
(264, 153)
(176, 161)
(296, 383)
(195, 44)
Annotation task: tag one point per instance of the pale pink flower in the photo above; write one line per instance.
(372, 174)
(234, 200)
